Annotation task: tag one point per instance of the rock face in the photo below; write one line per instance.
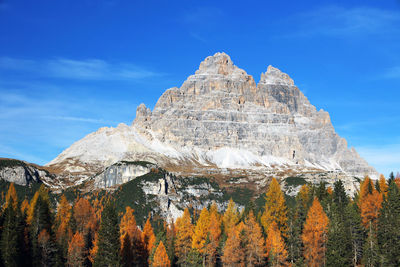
(120, 173)
(220, 119)
(23, 173)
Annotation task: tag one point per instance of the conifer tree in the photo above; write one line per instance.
(295, 224)
(108, 239)
(339, 247)
(275, 208)
(47, 249)
(357, 232)
(148, 237)
(277, 253)
(160, 257)
(383, 185)
(183, 243)
(231, 217)
(11, 197)
(133, 249)
(255, 249)
(233, 253)
(63, 229)
(11, 236)
(170, 242)
(76, 251)
(200, 233)
(315, 235)
(370, 252)
(388, 228)
(44, 248)
(214, 236)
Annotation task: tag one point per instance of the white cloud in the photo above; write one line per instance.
(89, 69)
(385, 158)
(339, 21)
(79, 119)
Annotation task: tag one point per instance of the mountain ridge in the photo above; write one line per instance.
(221, 121)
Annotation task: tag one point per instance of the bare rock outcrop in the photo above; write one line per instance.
(221, 120)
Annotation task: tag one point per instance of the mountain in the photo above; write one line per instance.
(24, 173)
(221, 123)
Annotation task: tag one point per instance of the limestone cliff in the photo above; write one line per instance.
(221, 122)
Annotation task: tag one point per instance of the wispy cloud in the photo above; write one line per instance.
(384, 158)
(371, 122)
(202, 15)
(392, 73)
(339, 21)
(89, 69)
(79, 119)
(198, 37)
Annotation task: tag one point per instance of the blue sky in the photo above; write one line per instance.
(69, 67)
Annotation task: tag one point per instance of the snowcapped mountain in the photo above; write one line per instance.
(220, 122)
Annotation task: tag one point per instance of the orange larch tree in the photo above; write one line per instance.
(214, 236)
(255, 245)
(370, 203)
(276, 250)
(11, 197)
(184, 232)
(76, 250)
(275, 208)
(132, 245)
(233, 253)
(84, 215)
(63, 230)
(314, 235)
(201, 231)
(383, 185)
(24, 207)
(231, 216)
(160, 257)
(148, 236)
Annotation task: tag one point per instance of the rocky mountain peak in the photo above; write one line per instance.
(275, 76)
(219, 64)
(220, 120)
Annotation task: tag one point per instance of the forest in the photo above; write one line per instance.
(322, 227)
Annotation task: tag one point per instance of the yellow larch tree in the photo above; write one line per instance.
(11, 197)
(62, 221)
(276, 249)
(148, 236)
(370, 203)
(160, 257)
(184, 233)
(234, 253)
(383, 185)
(76, 251)
(24, 207)
(255, 245)
(314, 235)
(275, 208)
(201, 231)
(231, 216)
(214, 236)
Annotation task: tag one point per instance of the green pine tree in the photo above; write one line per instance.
(388, 228)
(339, 246)
(108, 254)
(370, 255)
(357, 233)
(10, 238)
(43, 253)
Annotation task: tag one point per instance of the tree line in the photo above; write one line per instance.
(324, 227)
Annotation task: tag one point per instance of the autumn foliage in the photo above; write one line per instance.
(90, 231)
(315, 235)
(160, 257)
